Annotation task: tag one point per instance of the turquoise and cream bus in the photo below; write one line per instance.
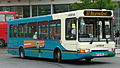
(82, 34)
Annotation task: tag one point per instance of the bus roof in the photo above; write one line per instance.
(31, 19)
(85, 13)
(76, 13)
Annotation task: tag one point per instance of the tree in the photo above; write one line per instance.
(95, 4)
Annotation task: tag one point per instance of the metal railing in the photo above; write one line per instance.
(117, 41)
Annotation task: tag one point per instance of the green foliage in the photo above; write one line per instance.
(86, 4)
(95, 4)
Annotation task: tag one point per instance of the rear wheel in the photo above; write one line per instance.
(2, 43)
(21, 53)
(57, 56)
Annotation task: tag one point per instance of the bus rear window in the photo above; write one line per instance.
(9, 17)
(2, 17)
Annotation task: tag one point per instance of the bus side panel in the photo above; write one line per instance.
(32, 53)
(75, 55)
(69, 55)
(49, 47)
(13, 51)
(14, 44)
(46, 54)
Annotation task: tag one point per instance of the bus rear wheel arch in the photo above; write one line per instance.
(21, 52)
(57, 55)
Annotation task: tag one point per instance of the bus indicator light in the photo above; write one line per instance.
(61, 42)
(82, 51)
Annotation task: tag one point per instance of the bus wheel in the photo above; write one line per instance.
(2, 43)
(21, 53)
(57, 56)
(88, 59)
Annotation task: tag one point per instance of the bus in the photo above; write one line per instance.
(4, 18)
(81, 34)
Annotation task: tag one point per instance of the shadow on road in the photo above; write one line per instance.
(71, 62)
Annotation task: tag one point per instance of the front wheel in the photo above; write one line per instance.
(57, 56)
(88, 59)
(21, 53)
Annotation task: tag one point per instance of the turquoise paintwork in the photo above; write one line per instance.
(49, 45)
(65, 55)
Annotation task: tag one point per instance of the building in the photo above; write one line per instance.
(30, 8)
(117, 17)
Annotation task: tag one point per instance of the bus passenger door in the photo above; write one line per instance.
(40, 46)
(32, 44)
(70, 33)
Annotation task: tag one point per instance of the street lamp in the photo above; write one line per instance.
(30, 8)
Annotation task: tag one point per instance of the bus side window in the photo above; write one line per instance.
(13, 31)
(22, 30)
(70, 29)
(43, 30)
(35, 35)
(32, 30)
(55, 30)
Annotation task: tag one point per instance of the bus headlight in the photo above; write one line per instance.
(87, 51)
(111, 50)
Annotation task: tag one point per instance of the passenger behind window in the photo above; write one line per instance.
(73, 31)
(35, 35)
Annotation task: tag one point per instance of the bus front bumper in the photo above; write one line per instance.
(72, 56)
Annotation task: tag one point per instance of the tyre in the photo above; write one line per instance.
(21, 53)
(88, 59)
(57, 56)
(2, 43)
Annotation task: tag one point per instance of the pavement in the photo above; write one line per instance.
(117, 55)
(117, 51)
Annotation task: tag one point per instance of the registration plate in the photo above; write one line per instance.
(100, 54)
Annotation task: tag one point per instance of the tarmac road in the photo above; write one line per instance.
(12, 61)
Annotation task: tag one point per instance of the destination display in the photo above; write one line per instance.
(97, 13)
